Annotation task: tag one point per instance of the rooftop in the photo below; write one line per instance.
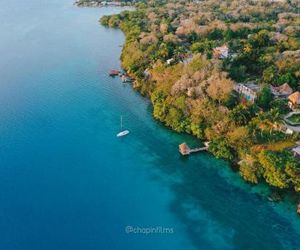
(221, 52)
(283, 89)
(296, 150)
(250, 85)
(295, 97)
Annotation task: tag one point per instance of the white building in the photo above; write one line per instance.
(221, 52)
(296, 151)
(248, 90)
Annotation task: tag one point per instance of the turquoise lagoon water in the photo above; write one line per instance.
(67, 182)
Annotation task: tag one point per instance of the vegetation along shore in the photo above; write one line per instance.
(92, 3)
(224, 71)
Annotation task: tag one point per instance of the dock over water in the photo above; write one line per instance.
(184, 149)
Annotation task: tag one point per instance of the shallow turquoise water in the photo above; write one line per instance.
(67, 182)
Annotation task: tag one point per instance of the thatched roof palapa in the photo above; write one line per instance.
(295, 98)
(184, 149)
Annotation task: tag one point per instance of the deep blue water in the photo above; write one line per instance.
(67, 182)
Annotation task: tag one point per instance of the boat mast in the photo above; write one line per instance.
(121, 122)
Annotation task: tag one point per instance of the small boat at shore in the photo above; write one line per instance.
(298, 209)
(125, 78)
(123, 132)
(114, 72)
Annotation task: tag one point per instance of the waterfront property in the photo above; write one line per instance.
(125, 78)
(248, 90)
(294, 100)
(184, 149)
(82, 3)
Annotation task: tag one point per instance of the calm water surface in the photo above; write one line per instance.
(67, 182)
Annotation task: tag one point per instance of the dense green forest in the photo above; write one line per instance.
(170, 52)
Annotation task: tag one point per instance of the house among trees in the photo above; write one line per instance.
(294, 100)
(248, 90)
(221, 52)
(282, 90)
(114, 3)
(296, 151)
(185, 59)
(216, 44)
(147, 74)
(170, 61)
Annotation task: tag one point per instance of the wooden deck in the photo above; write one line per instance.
(184, 149)
(195, 150)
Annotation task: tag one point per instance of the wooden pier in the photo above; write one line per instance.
(184, 149)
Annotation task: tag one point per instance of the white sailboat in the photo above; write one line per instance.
(123, 132)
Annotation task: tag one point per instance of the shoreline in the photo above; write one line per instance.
(96, 4)
(274, 195)
(274, 191)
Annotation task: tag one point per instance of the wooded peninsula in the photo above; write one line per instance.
(225, 71)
